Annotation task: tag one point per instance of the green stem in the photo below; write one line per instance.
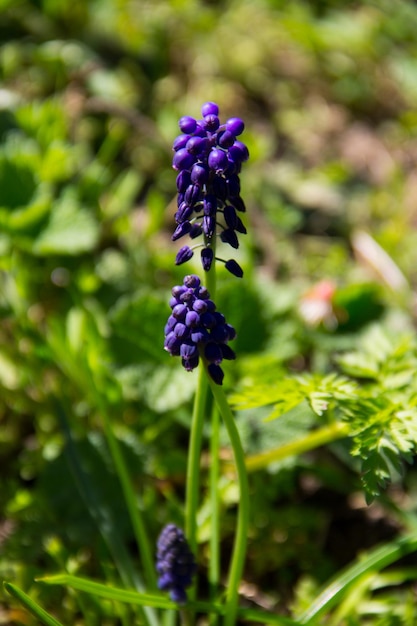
(193, 467)
(130, 499)
(214, 567)
(239, 549)
(312, 440)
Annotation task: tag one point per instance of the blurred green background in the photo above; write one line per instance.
(90, 96)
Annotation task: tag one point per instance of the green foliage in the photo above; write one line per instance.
(324, 389)
(377, 402)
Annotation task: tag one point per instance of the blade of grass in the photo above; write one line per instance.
(373, 561)
(31, 606)
(101, 515)
(158, 599)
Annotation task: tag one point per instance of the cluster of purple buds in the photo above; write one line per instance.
(208, 157)
(195, 329)
(175, 563)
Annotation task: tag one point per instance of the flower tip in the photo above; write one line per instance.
(234, 268)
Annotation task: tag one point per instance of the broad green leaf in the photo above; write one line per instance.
(164, 388)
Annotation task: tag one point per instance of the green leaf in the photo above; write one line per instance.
(339, 586)
(162, 388)
(319, 391)
(157, 600)
(71, 229)
(31, 606)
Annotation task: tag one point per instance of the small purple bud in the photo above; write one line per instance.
(209, 108)
(217, 160)
(200, 306)
(229, 236)
(196, 145)
(191, 281)
(184, 213)
(178, 290)
(219, 334)
(216, 373)
(219, 317)
(192, 195)
(192, 318)
(227, 352)
(199, 335)
(199, 173)
(187, 124)
(181, 331)
(179, 312)
(235, 125)
(183, 180)
(180, 142)
(182, 160)
(234, 268)
(188, 350)
(238, 152)
(187, 296)
(181, 230)
(213, 353)
(203, 293)
(230, 216)
(170, 325)
(191, 363)
(211, 123)
(240, 226)
(238, 203)
(206, 259)
(230, 331)
(225, 139)
(172, 344)
(184, 254)
(207, 320)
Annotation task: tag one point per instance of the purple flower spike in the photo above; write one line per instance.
(175, 563)
(195, 329)
(209, 157)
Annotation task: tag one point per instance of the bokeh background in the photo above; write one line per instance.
(90, 96)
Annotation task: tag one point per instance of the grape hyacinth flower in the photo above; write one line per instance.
(175, 563)
(195, 329)
(209, 157)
